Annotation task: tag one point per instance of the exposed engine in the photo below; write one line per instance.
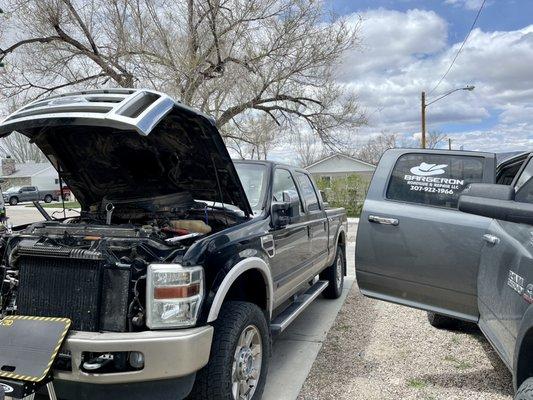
(92, 268)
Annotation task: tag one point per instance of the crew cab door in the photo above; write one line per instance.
(413, 246)
(505, 281)
(317, 224)
(29, 193)
(291, 242)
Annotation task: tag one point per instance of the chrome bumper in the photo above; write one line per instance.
(167, 354)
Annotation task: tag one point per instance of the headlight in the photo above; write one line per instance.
(173, 295)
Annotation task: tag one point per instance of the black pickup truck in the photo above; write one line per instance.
(182, 264)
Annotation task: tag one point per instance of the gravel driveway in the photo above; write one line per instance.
(377, 350)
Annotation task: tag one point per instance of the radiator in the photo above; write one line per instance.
(61, 287)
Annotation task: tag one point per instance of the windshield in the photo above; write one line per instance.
(13, 189)
(253, 179)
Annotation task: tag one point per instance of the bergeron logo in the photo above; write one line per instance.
(429, 169)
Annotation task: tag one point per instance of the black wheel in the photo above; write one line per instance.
(13, 201)
(525, 391)
(441, 321)
(47, 198)
(334, 274)
(238, 363)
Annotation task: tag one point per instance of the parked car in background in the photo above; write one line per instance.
(19, 194)
(67, 194)
(452, 233)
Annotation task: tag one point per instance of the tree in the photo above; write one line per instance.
(308, 148)
(434, 139)
(372, 151)
(233, 59)
(20, 149)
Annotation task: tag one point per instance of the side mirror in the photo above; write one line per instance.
(504, 210)
(20, 190)
(283, 212)
(490, 191)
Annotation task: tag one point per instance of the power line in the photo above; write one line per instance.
(460, 48)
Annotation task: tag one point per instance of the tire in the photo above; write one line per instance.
(47, 198)
(441, 321)
(334, 274)
(235, 320)
(525, 391)
(13, 201)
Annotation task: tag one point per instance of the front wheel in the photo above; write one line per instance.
(47, 198)
(334, 274)
(238, 363)
(13, 201)
(525, 391)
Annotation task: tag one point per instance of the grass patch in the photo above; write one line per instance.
(417, 383)
(459, 364)
(68, 204)
(343, 328)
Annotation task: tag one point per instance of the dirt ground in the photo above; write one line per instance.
(377, 350)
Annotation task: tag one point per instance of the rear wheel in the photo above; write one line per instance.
(47, 198)
(334, 274)
(441, 321)
(238, 363)
(13, 201)
(525, 391)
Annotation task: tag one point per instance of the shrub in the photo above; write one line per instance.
(348, 192)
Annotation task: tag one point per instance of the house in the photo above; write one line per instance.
(43, 175)
(339, 166)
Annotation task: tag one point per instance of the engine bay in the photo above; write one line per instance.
(92, 268)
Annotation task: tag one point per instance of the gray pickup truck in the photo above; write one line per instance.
(452, 233)
(15, 195)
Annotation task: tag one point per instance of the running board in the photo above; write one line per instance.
(283, 320)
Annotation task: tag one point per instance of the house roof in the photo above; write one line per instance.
(343, 156)
(25, 170)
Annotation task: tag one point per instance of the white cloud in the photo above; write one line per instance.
(392, 40)
(405, 53)
(468, 4)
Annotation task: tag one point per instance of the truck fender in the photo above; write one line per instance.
(237, 270)
(340, 231)
(523, 351)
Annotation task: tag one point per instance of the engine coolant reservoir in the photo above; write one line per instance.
(192, 225)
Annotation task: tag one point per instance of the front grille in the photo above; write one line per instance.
(61, 287)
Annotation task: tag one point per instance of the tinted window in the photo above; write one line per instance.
(283, 182)
(524, 185)
(253, 180)
(434, 180)
(308, 192)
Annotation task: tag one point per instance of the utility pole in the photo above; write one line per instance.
(423, 143)
(425, 105)
(449, 143)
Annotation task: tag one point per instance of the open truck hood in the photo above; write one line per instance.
(126, 143)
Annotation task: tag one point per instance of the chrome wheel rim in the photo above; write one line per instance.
(339, 272)
(246, 368)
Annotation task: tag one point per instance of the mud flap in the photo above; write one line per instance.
(28, 348)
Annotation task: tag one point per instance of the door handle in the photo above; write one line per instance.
(383, 220)
(491, 239)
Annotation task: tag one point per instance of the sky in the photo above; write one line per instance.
(407, 45)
